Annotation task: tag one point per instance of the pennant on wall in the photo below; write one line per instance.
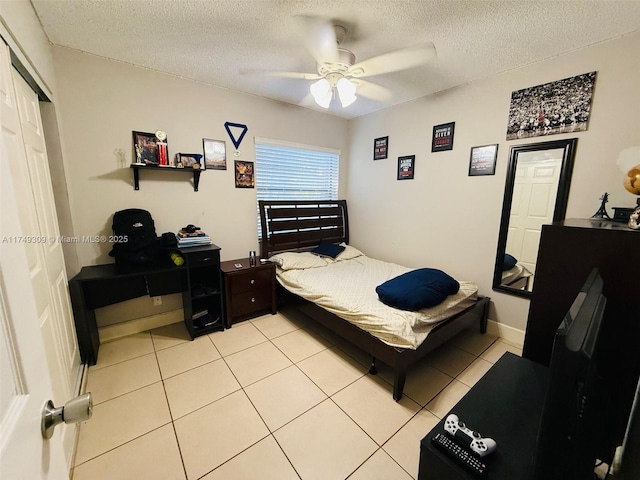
(243, 128)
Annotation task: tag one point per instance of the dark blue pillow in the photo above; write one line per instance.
(328, 249)
(509, 262)
(418, 289)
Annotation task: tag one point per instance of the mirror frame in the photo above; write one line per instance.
(564, 182)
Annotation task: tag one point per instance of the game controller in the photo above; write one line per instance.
(457, 429)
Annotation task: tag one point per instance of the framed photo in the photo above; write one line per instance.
(483, 160)
(188, 160)
(244, 174)
(380, 148)
(563, 106)
(406, 167)
(215, 154)
(442, 137)
(147, 148)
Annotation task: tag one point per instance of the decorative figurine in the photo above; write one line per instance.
(634, 218)
(602, 211)
(138, 155)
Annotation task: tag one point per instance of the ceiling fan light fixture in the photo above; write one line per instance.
(346, 91)
(321, 92)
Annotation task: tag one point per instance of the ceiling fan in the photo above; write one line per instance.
(337, 70)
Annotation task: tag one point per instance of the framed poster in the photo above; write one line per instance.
(244, 174)
(563, 106)
(148, 149)
(406, 167)
(215, 154)
(442, 137)
(380, 148)
(483, 160)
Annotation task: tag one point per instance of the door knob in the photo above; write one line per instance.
(76, 410)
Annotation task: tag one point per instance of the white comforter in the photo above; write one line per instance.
(347, 288)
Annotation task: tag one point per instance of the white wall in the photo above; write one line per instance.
(446, 219)
(102, 102)
(26, 37)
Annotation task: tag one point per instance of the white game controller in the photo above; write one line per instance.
(457, 429)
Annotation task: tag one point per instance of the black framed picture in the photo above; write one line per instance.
(380, 148)
(215, 154)
(483, 160)
(442, 137)
(148, 149)
(244, 174)
(406, 167)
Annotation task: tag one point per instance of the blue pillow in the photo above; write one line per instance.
(418, 289)
(328, 249)
(509, 262)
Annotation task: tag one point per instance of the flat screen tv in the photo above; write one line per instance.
(572, 411)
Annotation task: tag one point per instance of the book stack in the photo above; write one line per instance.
(192, 239)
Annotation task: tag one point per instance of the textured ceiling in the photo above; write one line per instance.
(218, 41)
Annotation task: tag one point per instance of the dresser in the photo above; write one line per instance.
(248, 290)
(569, 250)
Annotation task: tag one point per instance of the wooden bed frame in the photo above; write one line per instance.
(300, 226)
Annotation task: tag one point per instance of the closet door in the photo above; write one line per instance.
(25, 377)
(40, 224)
(24, 316)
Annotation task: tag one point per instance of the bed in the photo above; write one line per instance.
(517, 277)
(299, 226)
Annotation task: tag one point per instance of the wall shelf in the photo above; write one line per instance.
(137, 168)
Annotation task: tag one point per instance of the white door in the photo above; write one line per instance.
(533, 203)
(36, 205)
(25, 382)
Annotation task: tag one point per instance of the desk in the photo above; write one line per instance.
(506, 405)
(101, 285)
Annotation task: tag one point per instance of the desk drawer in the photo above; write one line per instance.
(201, 259)
(251, 281)
(249, 302)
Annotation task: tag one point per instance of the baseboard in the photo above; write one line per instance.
(511, 335)
(138, 325)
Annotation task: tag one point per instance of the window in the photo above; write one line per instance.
(289, 171)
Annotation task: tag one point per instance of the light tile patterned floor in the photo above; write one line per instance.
(276, 397)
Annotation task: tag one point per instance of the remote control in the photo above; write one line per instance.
(459, 454)
(457, 429)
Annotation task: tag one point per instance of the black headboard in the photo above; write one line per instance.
(299, 225)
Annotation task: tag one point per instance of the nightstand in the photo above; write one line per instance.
(248, 290)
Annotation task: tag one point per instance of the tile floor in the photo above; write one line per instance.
(276, 397)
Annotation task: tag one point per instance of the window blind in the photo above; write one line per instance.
(290, 172)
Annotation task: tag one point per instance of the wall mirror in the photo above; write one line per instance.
(536, 193)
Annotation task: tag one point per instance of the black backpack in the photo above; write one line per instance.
(134, 235)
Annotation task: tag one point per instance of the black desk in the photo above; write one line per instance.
(506, 405)
(101, 285)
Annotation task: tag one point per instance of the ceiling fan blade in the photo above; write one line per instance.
(277, 74)
(320, 40)
(393, 61)
(372, 90)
